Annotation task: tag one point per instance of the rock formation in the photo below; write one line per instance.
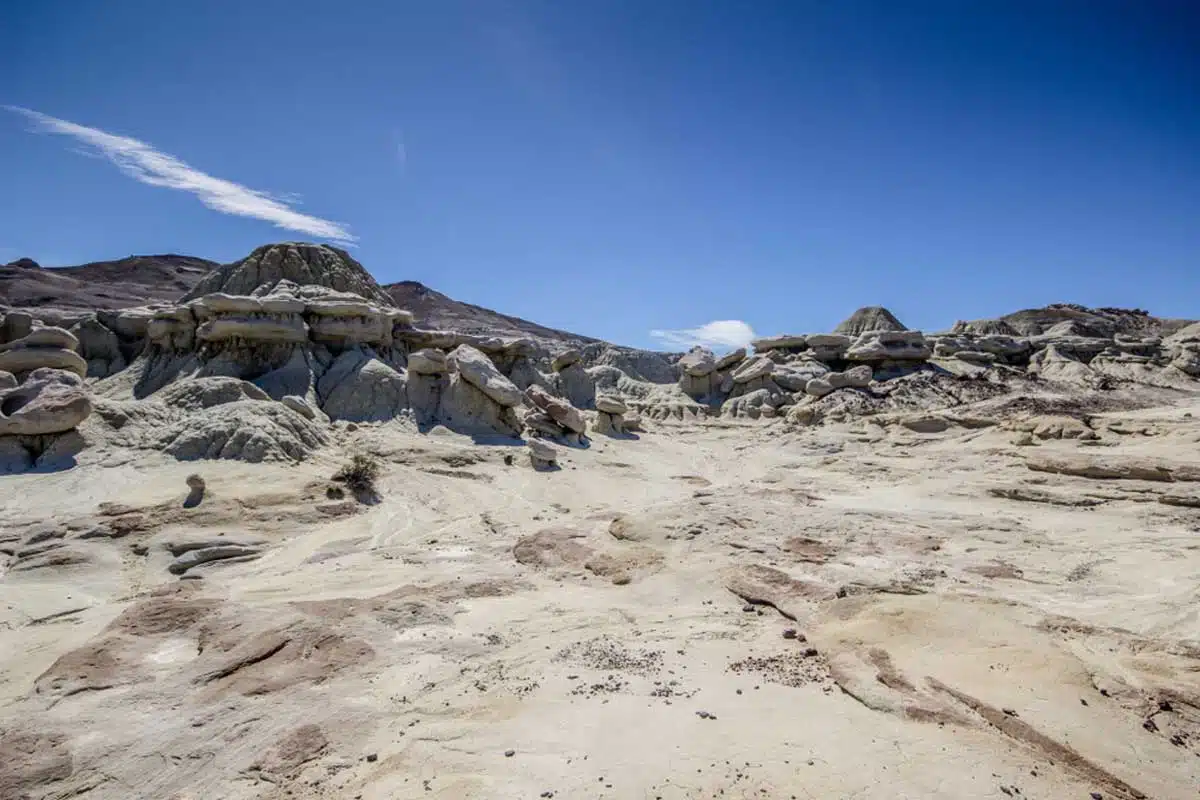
(867, 319)
(261, 355)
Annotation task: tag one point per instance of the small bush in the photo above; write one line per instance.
(359, 475)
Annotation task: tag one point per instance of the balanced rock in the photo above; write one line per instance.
(753, 369)
(478, 370)
(731, 359)
(610, 405)
(608, 424)
(542, 455)
(51, 348)
(698, 362)
(563, 413)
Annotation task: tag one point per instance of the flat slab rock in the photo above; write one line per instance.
(1112, 467)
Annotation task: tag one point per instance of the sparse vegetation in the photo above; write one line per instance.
(359, 475)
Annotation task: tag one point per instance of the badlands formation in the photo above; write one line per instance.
(281, 539)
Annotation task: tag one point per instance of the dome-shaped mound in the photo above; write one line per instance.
(869, 318)
(302, 264)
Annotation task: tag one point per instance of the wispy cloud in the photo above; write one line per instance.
(721, 334)
(143, 163)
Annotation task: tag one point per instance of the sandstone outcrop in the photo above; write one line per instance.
(49, 347)
(301, 264)
(883, 346)
(48, 401)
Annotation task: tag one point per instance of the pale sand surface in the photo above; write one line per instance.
(965, 627)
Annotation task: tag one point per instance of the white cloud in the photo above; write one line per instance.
(721, 334)
(143, 163)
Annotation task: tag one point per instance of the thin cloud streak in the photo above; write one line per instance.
(145, 164)
(722, 334)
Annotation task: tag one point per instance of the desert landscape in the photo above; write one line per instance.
(271, 529)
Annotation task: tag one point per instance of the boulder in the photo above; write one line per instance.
(49, 401)
(299, 405)
(730, 360)
(819, 387)
(632, 422)
(562, 412)
(795, 375)
(46, 337)
(753, 369)
(783, 342)
(539, 421)
(478, 370)
(16, 325)
(428, 361)
(28, 359)
(890, 345)
(858, 377)
(542, 455)
(565, 359)
(610, 405)
(698, 362)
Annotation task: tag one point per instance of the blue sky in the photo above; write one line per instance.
(616, 168)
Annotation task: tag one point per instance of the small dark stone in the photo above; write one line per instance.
(372, 757)
(1165, 705)
(790, 633)
(1104, 692)
(1097, 796)
(748, 607)
(1150, 725)
(508, 460)
(509, 753)
(1082, 702)
(810, 652)
(1010, 712)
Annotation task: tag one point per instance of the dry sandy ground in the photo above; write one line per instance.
(716, 610)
